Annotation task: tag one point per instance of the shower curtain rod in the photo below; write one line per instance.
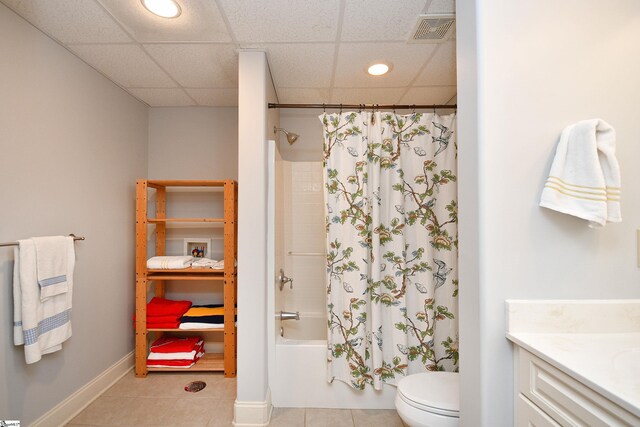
(367, 107)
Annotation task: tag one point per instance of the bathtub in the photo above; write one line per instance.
(300, 371)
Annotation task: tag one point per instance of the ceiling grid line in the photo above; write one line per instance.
(419, 73)
(316, 51)
(141, 46)
(336, 50)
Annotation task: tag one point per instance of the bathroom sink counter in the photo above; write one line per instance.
(609, 363)
(596, 342)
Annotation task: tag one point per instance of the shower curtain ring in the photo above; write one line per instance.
(340, 108)
(324, 110)
(434, 110)
(413, 108)
(394, 109)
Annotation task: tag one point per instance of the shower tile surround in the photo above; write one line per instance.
(585, 339)
(304, 233)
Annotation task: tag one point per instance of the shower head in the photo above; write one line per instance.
(291, 137)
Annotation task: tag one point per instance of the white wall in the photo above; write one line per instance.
(71, 146)
(542, 65)
(304, 122)
(255, 125)
(193, 143)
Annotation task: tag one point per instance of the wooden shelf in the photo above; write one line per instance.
(211, 362)
(187, 330)
(189, 270)
(187, 274)
(167, 220)
(208, 362)
(154, 183)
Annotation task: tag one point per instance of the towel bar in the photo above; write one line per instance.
(16, 243)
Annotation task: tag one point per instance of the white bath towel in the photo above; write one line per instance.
(200, 325)
(585, 176)
(51, 261)
(203, 263)
(41, 326)
(169, 262)
(208, 263)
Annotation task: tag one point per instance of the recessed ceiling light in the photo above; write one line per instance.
(163, 8)
(378, 69)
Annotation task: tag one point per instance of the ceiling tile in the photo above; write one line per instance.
(355, 58)
(368, 20)
(200, 21)
(300, 64)
(198, 65)
(215, 97)
(260, 21)
(367, 95)
(291, 95)
(162, 97)
(429, 95)
(441, 69)
(70, 21)
(125, 64)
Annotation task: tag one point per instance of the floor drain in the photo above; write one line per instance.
(195, 386)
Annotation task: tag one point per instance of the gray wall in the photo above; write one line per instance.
(540, 67)
(193, 143)
(71, 147)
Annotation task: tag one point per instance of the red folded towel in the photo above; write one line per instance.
(164, 307)
(178, 363)
(160, 319)
(175, 344)
(163, 325)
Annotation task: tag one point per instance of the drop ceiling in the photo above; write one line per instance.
(318, 51)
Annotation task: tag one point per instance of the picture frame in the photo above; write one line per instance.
(197, 247)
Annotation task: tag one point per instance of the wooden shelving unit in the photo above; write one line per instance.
(210, 362)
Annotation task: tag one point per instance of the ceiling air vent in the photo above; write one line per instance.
(433, 28)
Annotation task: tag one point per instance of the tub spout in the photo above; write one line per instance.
(289, 315)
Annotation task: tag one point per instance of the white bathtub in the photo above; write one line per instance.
(301, 372)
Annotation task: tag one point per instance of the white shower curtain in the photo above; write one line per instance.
(391, 223)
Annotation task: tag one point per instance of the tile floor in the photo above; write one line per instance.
(160, 400)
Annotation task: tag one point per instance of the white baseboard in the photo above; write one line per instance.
(252, 414)
(63, 412)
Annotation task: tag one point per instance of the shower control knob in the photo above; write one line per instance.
(283, 280)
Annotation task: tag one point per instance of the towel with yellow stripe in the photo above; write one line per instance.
(584, 180)
(203, 316)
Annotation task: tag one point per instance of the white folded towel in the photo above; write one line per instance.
(203, 263)
(169, 262)
(584, 180)
(42, 326)
(200, 325)
(172, 356)
(51, 261)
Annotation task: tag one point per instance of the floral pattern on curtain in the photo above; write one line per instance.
(391, 227)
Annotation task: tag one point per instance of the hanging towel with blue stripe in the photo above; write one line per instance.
(41, 324)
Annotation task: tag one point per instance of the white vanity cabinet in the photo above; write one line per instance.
(547, 396)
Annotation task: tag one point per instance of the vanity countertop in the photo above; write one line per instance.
(595, 342)
(608, 363)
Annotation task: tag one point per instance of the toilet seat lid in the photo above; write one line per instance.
(437, 392)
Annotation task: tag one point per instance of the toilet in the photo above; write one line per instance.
(429, 399)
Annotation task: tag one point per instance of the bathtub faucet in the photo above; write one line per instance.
(289, 315)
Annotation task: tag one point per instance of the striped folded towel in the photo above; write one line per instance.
(169, 262)
(584, 180)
